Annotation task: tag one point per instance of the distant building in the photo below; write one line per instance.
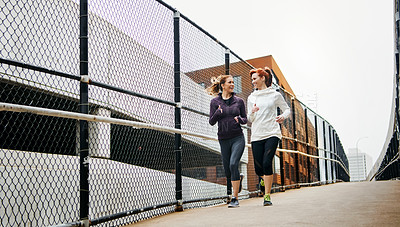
(359, 164)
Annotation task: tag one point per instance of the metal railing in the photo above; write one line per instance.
(103, 116)
(387, 165)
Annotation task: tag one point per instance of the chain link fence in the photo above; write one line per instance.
(134, 67)
(387, 166)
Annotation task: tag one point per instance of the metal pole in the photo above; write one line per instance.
(177, 93)
(334, 153)
(84, 108)
(295, 143)
(336, 156)
(316, 144)
(331, 150)
(228, 180)
(325, 154)
(227, 54)
(307, 147)
(281, 161)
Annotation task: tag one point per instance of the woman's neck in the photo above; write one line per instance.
(263, 87)
(226, 95)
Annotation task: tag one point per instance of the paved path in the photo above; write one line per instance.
(341, 204)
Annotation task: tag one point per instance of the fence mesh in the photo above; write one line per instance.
(39, 167)
(131, 70)
(132, 49)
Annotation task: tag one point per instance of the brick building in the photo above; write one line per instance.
(286, 166)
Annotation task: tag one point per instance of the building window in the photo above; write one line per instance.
(202, 84)
(237, 80)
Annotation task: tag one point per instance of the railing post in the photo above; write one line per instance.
(296, 164)
(227, 55)
(281, 162)
(331, 150)
(307, 147)
(325, 153)
(282, 167)
(177, 94)
(84, 108)
(227, 62)
(337, 155)
(316, 144)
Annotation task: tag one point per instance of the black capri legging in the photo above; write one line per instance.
(232, 150)
(263, 154)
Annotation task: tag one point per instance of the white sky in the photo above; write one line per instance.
(342, 50)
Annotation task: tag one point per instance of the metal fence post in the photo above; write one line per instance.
(296, 164)
(84, 108)
(307, 147)
(337, 155)
(316, 144)
(331, 150)
(228, 180)
(177, 94)
(325, 153)
(227, 54)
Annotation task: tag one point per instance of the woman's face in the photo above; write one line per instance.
(228, 85)
(257, 81)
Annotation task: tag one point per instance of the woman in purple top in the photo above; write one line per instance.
(229, 111)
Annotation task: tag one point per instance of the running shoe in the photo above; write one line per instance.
(267, 200)
(234, 203)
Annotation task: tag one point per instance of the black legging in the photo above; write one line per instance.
(263, 154)
(232, 150)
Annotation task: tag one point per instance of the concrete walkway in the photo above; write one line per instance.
(341, 204)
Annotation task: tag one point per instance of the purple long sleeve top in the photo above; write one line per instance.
(227, 125)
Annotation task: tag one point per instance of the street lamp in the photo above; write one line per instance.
(358, 165)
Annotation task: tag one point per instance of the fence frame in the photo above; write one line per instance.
(84, 117)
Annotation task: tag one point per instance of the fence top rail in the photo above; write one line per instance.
(88, 117)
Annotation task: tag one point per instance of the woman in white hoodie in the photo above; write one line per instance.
(262, 107)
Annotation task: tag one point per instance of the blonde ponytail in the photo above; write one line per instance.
(216, 82)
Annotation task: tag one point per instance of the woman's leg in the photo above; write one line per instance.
(270, 146)
(257, 148)
(268, 179)
(238, 144)
(225, 155)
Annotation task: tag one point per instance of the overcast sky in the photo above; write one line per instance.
(341, 50)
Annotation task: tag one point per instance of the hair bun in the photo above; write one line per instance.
(214, 80)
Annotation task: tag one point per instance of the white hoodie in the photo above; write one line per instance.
(264, 124)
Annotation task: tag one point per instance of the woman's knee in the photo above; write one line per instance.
(268, 169)
(234, 167)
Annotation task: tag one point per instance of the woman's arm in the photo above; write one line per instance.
(242, 117)
(281, 103)
(215, 113)
(250, 114)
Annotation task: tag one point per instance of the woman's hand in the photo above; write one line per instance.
(255, 108)
(279, 119)
(219, 108)
(236, 119)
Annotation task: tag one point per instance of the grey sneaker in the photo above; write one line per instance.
(234, 203)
